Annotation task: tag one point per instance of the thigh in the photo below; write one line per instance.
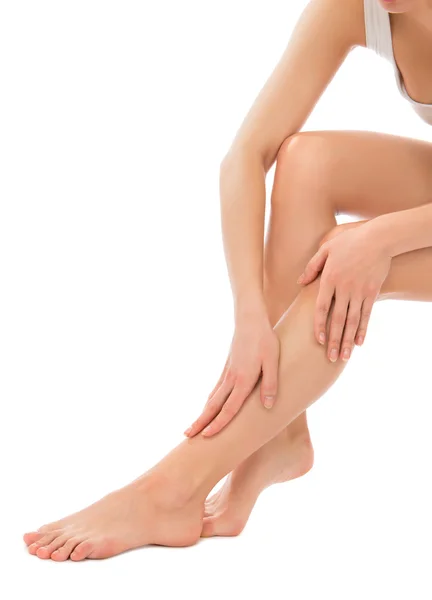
(365, 174)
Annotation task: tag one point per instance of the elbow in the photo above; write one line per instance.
(240, 156)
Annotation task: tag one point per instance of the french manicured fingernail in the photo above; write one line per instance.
(333, 355)
(268, 401)
(360, 340)
(300, 279)
(188, 430)
(207, 431)
(346, 354)
(322, 338)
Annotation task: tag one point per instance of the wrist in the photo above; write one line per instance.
(381, 232)
(251, 307)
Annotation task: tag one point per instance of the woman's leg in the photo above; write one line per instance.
(165, 505)
(318, 174)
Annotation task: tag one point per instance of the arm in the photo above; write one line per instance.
(324, 35)
(405, 230)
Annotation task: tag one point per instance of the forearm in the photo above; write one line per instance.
(242, 193)
(405, 230)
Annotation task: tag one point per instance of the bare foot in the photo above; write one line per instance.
(147, 511)
(281, 459)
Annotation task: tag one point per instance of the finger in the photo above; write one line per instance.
(220, 380)
(314, 266)
(364, 319)
(211, 409)
(351, 327)
(337, 324)
(269, 382)
(322, 310)
(228, 411)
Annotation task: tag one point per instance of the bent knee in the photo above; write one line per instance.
(304, 147)
(304, 160)
(308, 152)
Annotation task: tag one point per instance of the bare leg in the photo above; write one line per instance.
(317, 175)
(165, 505)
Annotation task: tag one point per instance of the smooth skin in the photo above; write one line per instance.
(318, 174)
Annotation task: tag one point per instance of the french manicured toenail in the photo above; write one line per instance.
(333, 355)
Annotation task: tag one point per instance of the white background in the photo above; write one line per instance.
(116, 311)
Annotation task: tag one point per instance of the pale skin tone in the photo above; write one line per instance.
(255, 426)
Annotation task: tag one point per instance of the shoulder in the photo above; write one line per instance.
(346, 18)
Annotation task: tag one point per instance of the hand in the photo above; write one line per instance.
(254, 351)
(354, 266)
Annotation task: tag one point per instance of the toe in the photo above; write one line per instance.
(32, 548)
(221, 525)
(35, 536)
(208, 529)
(82, 551)
(47, 550)
(64, 552)
(32, 537)
(43, 541)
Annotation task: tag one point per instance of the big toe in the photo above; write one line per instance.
(82, 551)
(222, 525)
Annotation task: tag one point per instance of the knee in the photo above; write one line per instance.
(304, 159)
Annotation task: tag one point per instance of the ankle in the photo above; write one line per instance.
(174, 486)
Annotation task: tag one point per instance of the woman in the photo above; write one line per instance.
(258, 406)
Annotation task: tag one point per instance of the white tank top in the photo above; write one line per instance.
(379, 39)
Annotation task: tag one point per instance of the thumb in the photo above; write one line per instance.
(314, 267)
(269, 383)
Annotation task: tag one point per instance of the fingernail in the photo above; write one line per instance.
(206, 431)
(333, 355)
(360, 340)
(188, 430)
(300, 279)
(268, 401)
(346, 354)
(322, 338)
